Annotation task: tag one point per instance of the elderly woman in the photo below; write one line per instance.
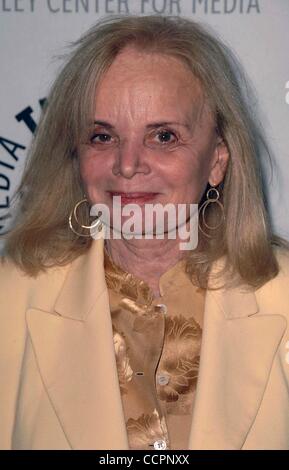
(132, 342)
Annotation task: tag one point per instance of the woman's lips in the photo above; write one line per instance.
(134, 197)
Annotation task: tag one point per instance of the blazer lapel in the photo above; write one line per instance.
(238, 347)
(75, 354)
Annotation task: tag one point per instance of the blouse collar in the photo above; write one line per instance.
(136, 289)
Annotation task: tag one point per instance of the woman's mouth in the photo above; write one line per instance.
(134, 197)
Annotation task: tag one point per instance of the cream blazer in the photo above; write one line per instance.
(58, 377)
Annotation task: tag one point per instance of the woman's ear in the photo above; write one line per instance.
(219, 163)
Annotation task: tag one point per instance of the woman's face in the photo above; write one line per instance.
(154, 138)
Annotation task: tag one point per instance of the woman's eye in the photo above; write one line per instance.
(166, 136)
(100, 138)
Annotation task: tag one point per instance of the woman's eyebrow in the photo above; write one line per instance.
(104, 124)
(168, 123)
(153, 125)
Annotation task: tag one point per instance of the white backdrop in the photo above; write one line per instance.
(34, 32)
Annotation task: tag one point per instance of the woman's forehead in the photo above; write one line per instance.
(132, 63)
(151, 83)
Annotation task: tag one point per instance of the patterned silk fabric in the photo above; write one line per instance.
(157, 345)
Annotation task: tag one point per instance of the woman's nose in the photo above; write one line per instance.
(129, 160)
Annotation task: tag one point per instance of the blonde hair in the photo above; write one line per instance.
(51, 183)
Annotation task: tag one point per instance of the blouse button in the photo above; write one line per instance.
(162, 308)
(160, 444)
(163, 379)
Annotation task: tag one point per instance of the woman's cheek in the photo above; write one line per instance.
(92, 167)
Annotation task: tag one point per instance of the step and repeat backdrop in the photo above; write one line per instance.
(34, 34)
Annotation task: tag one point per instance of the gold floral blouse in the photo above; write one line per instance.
(157, 345)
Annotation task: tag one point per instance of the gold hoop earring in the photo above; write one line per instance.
(97, 224)
(202, 210)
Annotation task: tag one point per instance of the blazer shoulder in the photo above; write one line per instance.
(15, 284)
(273, 296)
(19, 290)
(9, 271)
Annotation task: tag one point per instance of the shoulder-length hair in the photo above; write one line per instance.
(51, 184)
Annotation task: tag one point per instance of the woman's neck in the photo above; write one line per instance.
(145, 259)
